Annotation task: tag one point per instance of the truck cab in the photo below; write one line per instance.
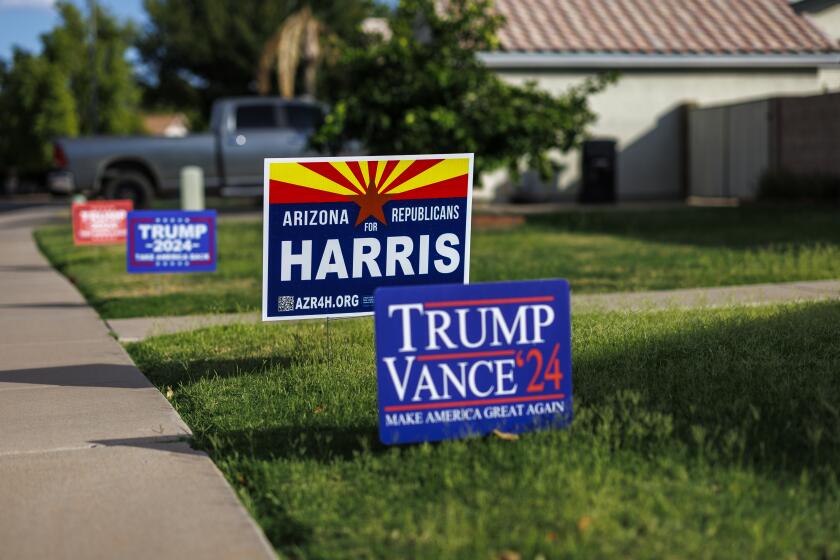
(243, 131)
(250, 129)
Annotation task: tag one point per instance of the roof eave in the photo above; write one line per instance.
(560, 60)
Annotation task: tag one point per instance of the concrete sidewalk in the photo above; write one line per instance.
(132, 330)
(94, 461)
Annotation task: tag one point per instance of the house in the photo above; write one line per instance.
(825, 14)
(166, 124)
(671, 54)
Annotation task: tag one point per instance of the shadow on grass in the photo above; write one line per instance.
(743, 387)
(323, 443)
(762, 391)
(170, 373)
(737, 228)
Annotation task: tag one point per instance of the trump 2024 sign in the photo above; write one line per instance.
(335, 229)
(171, 241)
(454, 361)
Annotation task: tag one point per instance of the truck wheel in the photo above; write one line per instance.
(131, 185)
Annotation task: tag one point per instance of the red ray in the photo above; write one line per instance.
(389, 168)
(286, 193)
(455, 187)
(357, 171)
(413, 170)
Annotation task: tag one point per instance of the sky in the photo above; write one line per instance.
(23, 21)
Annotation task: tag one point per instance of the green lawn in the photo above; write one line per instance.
(246, 204)
(598, 251)
(711, 434)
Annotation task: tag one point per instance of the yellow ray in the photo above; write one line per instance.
(363, 165)
(344, 169)
(380, 167)
(398, 170)
(446, 169)
(297, 174)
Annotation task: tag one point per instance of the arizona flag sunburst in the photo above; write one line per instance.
(337, 228)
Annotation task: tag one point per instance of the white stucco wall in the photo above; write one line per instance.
(642, 113)
(827, 19)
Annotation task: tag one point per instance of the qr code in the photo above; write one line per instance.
(285, 303)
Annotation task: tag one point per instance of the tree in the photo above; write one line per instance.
(425, 90)
(49, 95)
(35, 106)
(101, 64)
(297, 41)
(200, 50)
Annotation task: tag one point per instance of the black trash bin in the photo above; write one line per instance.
(598, 163)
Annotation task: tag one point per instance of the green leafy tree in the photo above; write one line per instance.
(49, 95)
(200, 50)
(425, 90)
(35, 106)
(102, 66)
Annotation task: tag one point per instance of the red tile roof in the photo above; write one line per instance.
(658, 27)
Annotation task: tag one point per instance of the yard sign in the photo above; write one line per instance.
(335, 229)
(100, 222)
(457, 360)
(171, 241)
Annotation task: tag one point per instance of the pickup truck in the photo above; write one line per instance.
(243, 131)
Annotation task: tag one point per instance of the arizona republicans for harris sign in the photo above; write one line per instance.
(335, 229)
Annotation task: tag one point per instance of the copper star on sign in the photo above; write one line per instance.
(370, 204)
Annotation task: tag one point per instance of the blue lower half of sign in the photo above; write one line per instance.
(171, 241)
(321, 262)
(454, 360)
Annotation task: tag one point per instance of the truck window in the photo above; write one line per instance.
(304, 117)
(256, 116)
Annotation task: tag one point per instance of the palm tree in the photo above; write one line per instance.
(296, 41)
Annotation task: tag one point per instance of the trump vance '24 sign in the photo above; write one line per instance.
(335, 229)
(459, 360)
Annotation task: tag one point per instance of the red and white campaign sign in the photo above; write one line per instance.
(100, 222)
